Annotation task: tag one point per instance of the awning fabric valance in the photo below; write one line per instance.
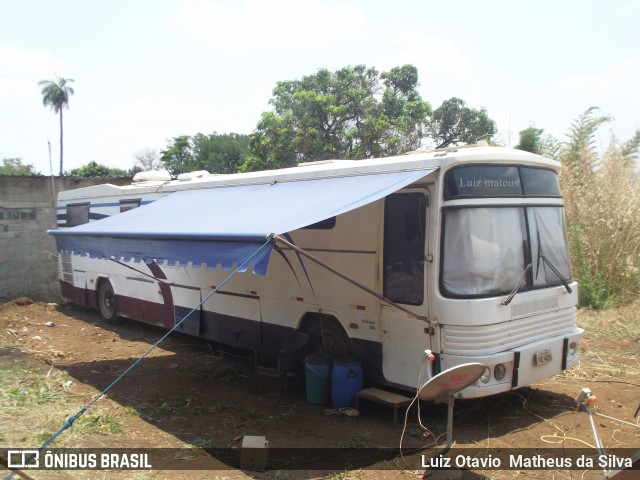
(222, 227)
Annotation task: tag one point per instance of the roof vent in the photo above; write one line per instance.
(152, 176)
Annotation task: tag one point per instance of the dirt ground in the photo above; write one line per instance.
(189, 394)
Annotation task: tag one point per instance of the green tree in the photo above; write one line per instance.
(14, 166)
(578, 153)
(454, 123)
(94, 169)
(355, 112)
(531, 140)
(220, 153)
(216, 153)
(178, 157)
(55, 94)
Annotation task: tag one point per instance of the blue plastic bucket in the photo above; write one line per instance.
(317, 374)
(346, 381)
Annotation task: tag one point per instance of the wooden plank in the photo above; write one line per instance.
(384, 397)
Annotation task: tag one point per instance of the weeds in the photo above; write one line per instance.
(42, 437)
(167, 408)
(280, 475)
(253, 413)
(30, 388)
(226, 373)
(103, 423)
(200, 443)
(275, 419)
(132, 411)
(356, 441)
(602, 198)
(611, 340)
(220, 407)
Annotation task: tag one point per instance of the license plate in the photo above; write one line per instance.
(543, 357)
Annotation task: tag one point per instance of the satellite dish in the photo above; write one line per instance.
(451, 381)
(445, 385)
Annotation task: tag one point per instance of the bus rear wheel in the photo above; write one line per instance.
(107, 303)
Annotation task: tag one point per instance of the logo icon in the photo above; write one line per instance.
(23, 459)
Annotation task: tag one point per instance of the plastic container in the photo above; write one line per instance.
(346, 381)
(317, 374)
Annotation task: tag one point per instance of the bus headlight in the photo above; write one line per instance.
(486, 376)
(573, 349)
(499, 371)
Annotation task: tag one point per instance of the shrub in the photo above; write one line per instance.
(602, 199)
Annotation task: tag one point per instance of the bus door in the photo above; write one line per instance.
(405, 249)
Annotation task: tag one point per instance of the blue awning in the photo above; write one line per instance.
(221, 227)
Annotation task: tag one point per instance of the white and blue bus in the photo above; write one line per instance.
(461, 252)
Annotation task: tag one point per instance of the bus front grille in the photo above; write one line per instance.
(489, 339)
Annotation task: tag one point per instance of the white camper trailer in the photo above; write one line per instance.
(461, 252)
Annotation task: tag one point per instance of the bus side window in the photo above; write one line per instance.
(77, 214)
(404, 240)
(129, 204)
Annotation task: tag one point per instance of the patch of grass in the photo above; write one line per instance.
(253, 413)
(280, 475)
(21, 387)
(224, 372)
(610, 343)
(197, 411)
(13, 368)
(275, 419)
(347, 475)
(42, 437)
(132, 411)
(99, 423)
(201, 443)
(355, 441)
(171, 406)
(234, 423)
(612, 324)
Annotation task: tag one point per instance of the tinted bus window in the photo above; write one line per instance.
(500, 181)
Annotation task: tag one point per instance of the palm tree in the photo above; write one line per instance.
(55, 94)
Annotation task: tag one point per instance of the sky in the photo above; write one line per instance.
(146, 71)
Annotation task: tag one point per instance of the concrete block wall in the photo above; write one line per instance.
(28, 258)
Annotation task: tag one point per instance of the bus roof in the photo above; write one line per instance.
(439, 159)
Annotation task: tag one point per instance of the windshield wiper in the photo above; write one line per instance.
(551, 266)
(507, 300)
(555, 270)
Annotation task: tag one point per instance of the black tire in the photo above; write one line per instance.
(107, 303)
(327, 336)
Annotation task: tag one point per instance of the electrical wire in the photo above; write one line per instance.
(69, 422)
(427, 433)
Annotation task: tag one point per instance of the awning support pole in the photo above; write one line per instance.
(350, 280)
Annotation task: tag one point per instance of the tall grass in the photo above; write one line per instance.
(602, 200)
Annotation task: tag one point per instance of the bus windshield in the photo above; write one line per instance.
(487, 249)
